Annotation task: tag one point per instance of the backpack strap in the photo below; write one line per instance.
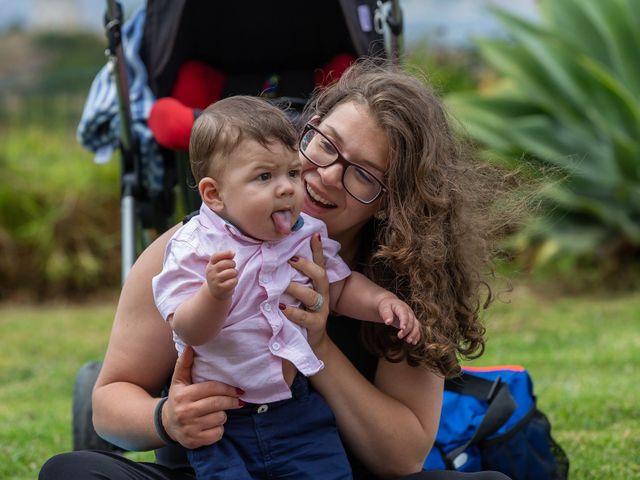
(501, 407)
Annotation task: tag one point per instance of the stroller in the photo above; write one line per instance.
(143, 101)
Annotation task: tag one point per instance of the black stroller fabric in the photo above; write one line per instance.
(253, 36)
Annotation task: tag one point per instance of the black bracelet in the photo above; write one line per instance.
(157, 422)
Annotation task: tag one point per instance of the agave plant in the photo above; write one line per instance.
(567, 102)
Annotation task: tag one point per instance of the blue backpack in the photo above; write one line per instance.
(490, 421)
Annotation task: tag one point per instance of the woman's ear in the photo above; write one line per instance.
(210, 194)
(381, 214)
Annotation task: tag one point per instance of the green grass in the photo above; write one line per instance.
(582, 352)
(42, 350)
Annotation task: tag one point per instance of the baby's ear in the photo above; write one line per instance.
(210, 194)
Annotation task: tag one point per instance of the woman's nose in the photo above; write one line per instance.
(332, 174)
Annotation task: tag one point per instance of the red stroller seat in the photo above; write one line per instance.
(198, 85)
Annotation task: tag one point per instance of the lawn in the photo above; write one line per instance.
(582, 352)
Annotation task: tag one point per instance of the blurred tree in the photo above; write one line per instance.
(567, 107)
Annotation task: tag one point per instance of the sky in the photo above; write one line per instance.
(456, 22)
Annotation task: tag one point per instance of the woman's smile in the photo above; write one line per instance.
(317, 198)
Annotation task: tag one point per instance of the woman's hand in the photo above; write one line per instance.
(194, 414)
(314, 321)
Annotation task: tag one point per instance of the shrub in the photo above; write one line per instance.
(59, 213)
(568, 107)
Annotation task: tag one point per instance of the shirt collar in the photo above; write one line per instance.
(210, 219)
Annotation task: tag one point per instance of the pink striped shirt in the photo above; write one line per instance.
(256, 336)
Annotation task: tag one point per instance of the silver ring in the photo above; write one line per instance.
(318, 305)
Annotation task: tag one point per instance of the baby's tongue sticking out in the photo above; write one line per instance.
(282, 221)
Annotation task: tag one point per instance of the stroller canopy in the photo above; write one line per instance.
(245, 36)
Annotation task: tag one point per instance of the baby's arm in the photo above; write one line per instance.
(200, 318)
(358, 297)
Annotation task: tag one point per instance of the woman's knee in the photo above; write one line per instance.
(60, 466)
(80, 465)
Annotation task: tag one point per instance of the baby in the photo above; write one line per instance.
(222, 287)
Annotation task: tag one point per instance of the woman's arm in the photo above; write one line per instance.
(390, 425)
(140, 358)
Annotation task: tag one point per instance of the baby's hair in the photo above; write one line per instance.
(223, 125)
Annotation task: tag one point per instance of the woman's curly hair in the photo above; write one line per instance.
(432, 243)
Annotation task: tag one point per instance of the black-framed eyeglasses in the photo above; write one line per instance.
(359, 182)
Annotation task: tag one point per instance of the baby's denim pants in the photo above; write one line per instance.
(295, 438)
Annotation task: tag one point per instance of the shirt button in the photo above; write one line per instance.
(267, 307)
(265, 278)
(262, 408)
(276, 346)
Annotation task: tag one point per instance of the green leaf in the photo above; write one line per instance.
(607, 210)
(568, 20)
(568, 102)
(552, 63)
(626, 153)
(617, 106)
(482, 123)
(620, 38)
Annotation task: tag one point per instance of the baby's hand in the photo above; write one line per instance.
(394, 311)
(221, 273)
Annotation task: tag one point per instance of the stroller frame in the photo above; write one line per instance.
(130, 160)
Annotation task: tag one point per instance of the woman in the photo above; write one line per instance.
(420, 236)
